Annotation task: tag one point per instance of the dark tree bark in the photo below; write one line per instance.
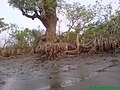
(50, 24)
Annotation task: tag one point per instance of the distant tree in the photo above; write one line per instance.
(25, 37)
(22, 37)
(108, 23)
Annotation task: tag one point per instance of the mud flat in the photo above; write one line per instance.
(73, 73)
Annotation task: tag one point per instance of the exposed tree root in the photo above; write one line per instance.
(53, 50)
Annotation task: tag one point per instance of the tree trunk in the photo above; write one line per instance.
(51, 29)
(50, 23)
(49, 20)
(78, 43)
(68, 35)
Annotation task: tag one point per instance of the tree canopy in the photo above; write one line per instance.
(34, 8)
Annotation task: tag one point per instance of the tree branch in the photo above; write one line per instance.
(36, 15)
(29, 16)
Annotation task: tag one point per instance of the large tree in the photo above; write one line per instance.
(44, 10)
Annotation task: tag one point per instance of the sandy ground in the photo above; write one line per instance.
(73, 73)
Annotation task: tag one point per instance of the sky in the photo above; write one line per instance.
(14, 16)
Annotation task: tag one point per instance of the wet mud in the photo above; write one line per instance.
(74, 73)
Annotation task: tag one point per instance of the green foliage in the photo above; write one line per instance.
(3, 25)
(106, 25)
(111, 25)
(114, 24)
(79, 16)
(72, 36)
(108, 28)
(34, 6)
(117, 33)
(29, 5)
(24, 37)
(91, 33)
